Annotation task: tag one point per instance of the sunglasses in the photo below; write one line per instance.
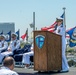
(12, 36)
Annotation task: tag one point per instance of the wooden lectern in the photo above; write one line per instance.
(47, 51)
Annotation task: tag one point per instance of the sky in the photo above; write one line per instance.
(46, 11)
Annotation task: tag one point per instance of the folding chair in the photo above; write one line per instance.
(19, 54)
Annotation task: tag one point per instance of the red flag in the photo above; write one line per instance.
(23, 36)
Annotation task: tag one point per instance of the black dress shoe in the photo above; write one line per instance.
(64, 71)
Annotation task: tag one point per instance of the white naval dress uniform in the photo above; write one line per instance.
(7, 71)
(62, 30)
(26, 56)
(14, 45)
(3, 45)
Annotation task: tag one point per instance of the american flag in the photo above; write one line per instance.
(50, 28)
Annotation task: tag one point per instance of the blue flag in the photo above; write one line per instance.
(72, 34)
(1, 33)
(8, 36)
(62, 16)
(17, 34)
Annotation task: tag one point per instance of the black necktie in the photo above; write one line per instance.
(14, 43)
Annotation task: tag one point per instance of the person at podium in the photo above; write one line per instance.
(61, 30)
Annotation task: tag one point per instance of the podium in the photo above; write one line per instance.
(47, 51)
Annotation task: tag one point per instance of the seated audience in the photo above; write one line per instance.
(14, 45)
(26, 57)
(0, 41)
(8, 66)
(3, 43)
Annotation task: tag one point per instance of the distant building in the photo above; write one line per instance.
(6, 27)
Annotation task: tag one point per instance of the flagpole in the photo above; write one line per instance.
(64, 17)
(32, 25)
(19, 34)
(33, 21)
(64, 22)
(27, 35)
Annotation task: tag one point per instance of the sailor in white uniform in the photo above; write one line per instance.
(8, 66)
(0, 42)
(61, 30)
(26, 57)
(3, 43)
(14, 45)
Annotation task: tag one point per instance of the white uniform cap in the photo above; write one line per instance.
(15, 34)
(3, 36)
(59, 19)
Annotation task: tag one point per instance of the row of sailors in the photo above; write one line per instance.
(14, 45)
(3, 43)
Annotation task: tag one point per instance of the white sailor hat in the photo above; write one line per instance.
(59, 19)
(3, 36)
(14, 34)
